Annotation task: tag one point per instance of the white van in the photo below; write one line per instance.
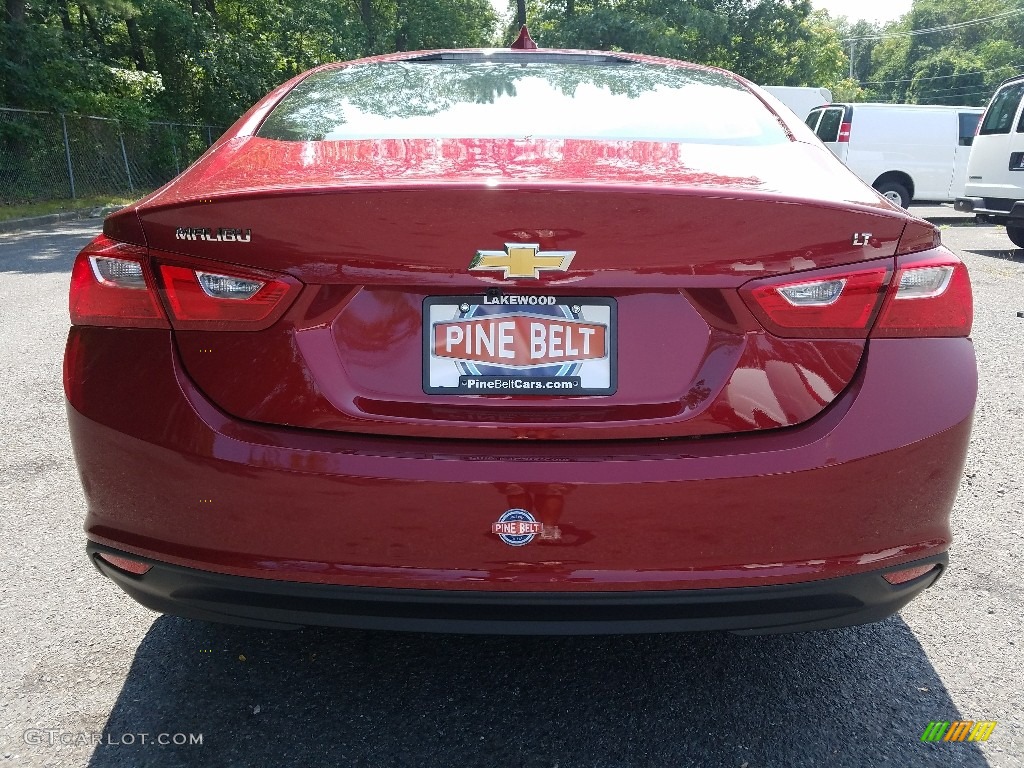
(995, 173)
(800, 99)
(905, 151)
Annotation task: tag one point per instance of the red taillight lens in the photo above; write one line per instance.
(844, 133)
(908, 574)
(224, 297)
(828, 303)
(930, 296)
(125, 564)
(110, 285)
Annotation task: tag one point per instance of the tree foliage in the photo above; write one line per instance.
(777, 42)
(962, 65)
(207, 61)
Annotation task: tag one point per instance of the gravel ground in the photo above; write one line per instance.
(81, 658)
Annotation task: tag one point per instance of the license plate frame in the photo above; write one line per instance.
(469, 368)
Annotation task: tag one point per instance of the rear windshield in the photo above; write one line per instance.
(1002, 110)
(968, 127)
(540, 99)
(831, 121)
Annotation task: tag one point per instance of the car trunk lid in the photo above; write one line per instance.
(662, 236)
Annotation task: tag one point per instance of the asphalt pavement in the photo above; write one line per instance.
(90, 678)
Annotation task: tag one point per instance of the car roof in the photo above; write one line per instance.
(1009, 80)
(534, 55)
(878, 104)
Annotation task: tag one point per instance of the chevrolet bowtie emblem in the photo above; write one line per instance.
(521, 260)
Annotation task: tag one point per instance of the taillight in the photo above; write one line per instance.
(844, 133)
(111, 286)
(930, 296)
(829, 303)
(221, 297)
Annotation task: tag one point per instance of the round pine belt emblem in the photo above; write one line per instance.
(517, 527)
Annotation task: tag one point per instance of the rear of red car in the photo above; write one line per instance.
(520, 342)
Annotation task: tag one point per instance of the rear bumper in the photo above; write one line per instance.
(866, 486)
(821, 604)
(1007, 210)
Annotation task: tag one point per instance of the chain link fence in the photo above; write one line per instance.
(53, 156)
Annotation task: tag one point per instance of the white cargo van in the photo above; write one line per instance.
(995, 173)
(905, 151)
(800, 99)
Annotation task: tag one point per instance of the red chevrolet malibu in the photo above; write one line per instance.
(520, 341)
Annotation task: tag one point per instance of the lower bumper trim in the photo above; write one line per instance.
(821, 604)
(999, 210)
(968, 204)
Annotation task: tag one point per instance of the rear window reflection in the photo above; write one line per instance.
(446, 99)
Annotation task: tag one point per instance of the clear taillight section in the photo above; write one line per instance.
(120, 273)
(923, 283)
(819, 293)
(227, 287)
(112, 285)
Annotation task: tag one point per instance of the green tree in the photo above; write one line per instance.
(959, 65)
(773, 42)
(204, 60)
(858, 40)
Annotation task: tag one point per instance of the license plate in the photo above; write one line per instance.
(519, 345)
